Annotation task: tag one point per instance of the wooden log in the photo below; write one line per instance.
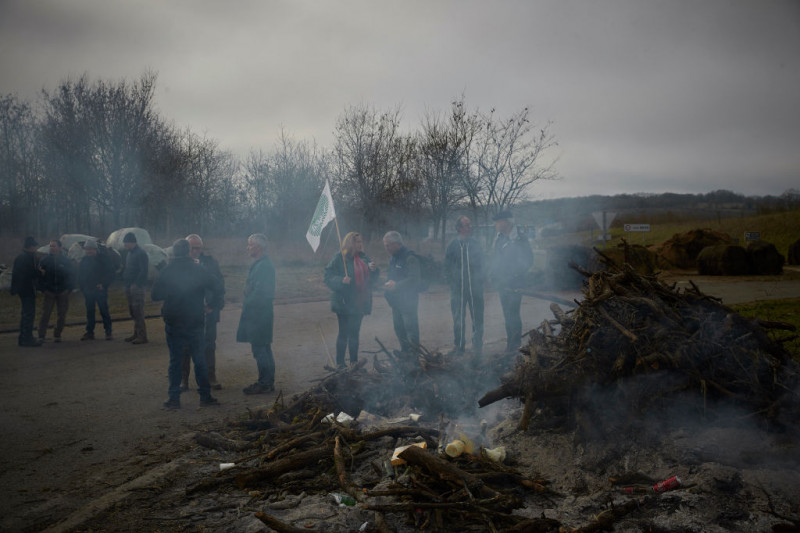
(622, 329)
(281, 527)
(446, 470)
(282, 466)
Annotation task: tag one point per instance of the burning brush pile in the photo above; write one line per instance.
(644, 408)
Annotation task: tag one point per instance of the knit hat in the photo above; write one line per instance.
(129, 237)
(30, 241)
(91, 243)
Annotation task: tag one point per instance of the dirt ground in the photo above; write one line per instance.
(83, 426)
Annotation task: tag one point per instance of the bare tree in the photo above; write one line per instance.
(97, 139)
(509, 155)
(256, 171)
(20, 169)
(299, 170)
(372, 163)
(444, 145)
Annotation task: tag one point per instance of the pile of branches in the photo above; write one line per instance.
(298, 448)
(634, 344)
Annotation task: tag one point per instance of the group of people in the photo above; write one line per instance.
(56, 276)
(192, 290)
(351, 276)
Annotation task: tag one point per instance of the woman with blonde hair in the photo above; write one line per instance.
(350, 275)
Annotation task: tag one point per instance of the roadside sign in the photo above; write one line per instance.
(750, 236)
(637, 227)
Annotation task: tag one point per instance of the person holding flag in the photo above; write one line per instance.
(350, 275)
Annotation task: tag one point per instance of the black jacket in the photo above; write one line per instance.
(25, 275)
(95, 270)
(136, 265)
(404, 270)
(512, 257)
(59, 273)
(182, 286)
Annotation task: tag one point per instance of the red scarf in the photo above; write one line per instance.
(361, 275)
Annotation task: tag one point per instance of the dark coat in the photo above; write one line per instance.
(465, 265)
(182, 285)
(212, 266)
(511, 259)
(25, 275)
(343, 297)
(256, 322)
(95, 270)
(136, 265)
(404, 270)
(59, 273)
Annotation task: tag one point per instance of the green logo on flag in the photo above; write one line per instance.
(320, 217)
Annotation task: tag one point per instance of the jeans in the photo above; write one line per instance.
(458, 307)
(406, 326)
(180, 340)
(61, 302)
(135, 296)
(97, 297)
(265, 363)
(349, 330)
(511, 302)
(27, 318)
(210, 351)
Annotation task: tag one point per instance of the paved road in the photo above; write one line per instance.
(80, 418)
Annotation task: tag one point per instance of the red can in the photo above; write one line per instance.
(668, 484)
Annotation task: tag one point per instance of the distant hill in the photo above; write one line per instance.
(575, 214)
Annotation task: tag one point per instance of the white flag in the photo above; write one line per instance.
(322, 216)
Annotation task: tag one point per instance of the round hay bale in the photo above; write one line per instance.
(764, 258)
(683, 248)
(723, 260)
(794, 253)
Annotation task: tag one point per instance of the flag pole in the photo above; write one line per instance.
(344, 263)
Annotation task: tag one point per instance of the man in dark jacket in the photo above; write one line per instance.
(402, 291)
(24, 278)
(135, 278)
(183, 286)
(58, 279)
(212, 314)
(511, 258)
(255, 324)
(95, 274)
(464, 271)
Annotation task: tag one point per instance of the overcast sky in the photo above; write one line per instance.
(643, 95)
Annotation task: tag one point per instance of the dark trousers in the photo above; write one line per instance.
(26, 318)
(459, 304)
(135, 296)
(98, 297)
(181, 340)
(265, 363)
(406, 326)
(511, 302)
(349, 330)
(61, 302)
(210, 351)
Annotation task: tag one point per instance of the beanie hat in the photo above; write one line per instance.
(29, 241)
(129, 237)
(91, 243)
